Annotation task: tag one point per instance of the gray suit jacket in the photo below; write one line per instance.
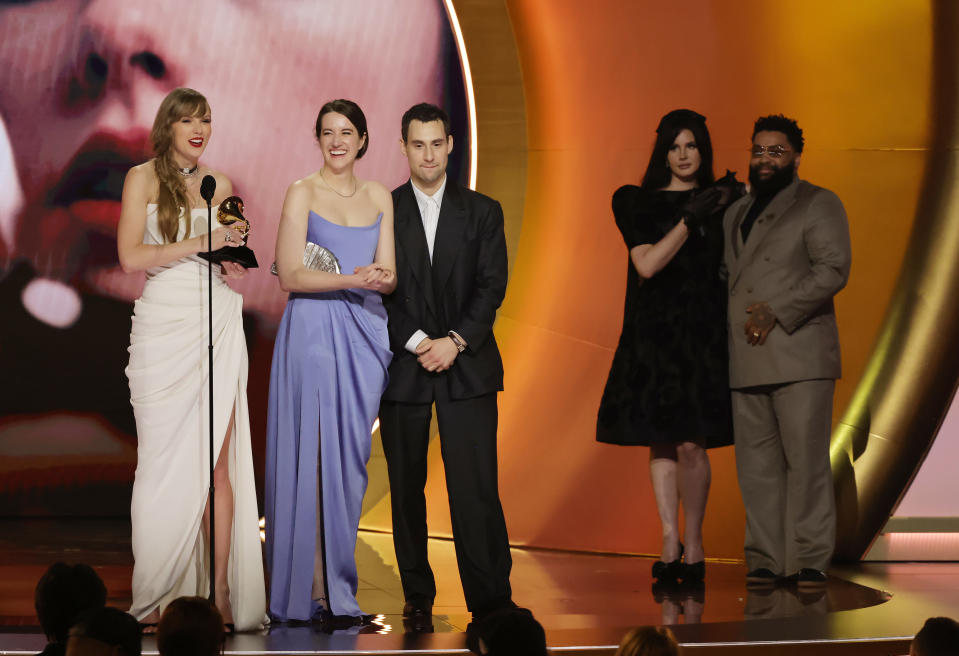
(796, 258)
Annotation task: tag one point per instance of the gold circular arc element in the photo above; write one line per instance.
(907, 387)
(498, 159)
(499, 141)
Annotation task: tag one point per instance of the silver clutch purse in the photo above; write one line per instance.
(316, 258)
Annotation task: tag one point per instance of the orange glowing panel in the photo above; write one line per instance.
(597, 77)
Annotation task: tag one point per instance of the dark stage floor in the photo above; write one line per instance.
(586, 602)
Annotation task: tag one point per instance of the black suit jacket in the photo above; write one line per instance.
(460, 290)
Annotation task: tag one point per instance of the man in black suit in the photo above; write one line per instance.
(451, 271)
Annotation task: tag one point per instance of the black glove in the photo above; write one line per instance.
(711, 200)
(695, 211)
(731, 188)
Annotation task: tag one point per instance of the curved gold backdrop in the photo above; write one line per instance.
(596, 77)
(909, 383)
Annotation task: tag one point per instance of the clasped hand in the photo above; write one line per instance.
(760, 321)
(436, 354)
(711, 201)
(374, 276)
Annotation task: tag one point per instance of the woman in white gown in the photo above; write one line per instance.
(163, 225)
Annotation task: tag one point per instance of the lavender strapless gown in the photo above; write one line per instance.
(329, 371)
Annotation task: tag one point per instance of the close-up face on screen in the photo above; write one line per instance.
(80, 84)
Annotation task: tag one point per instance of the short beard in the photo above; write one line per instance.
(779, 180)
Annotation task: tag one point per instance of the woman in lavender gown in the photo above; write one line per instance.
(329, 371)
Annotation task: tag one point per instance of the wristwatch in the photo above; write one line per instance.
(457, 341)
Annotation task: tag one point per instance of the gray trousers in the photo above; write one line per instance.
(782, 458)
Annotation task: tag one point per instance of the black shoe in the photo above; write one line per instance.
(417, 607)
(484, 611)
(693, 591)
(472, 637)
(664, 589)
(808, 577)
(761, 577)
(328, 623)
(669, 571)
(694, 572)
(418, 624)
(418, 615)
(488, 613)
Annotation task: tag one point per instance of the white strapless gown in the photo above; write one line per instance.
(169, 393)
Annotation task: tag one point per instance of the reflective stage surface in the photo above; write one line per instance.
(586, 602)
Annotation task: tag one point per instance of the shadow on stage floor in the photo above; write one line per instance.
(585, 601)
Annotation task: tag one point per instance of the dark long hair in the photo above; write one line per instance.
(658, 174)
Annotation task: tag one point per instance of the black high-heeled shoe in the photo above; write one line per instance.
(694, 572)
(669, 571)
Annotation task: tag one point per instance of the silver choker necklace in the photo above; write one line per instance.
(186, 173)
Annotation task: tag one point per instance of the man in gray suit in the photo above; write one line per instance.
(787, 254)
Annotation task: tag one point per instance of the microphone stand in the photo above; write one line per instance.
(209, 291)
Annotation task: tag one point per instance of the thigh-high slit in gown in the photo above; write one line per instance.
(169, 391)
(329, 371)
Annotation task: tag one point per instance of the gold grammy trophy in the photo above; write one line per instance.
(230, 213)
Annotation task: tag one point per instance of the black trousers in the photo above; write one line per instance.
(468, 444)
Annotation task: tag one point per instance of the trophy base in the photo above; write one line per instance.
(239, 254)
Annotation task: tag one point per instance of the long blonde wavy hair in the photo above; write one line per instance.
(172, 196)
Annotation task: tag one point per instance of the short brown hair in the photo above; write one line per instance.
(939, 636)
(110, 626)
(649, 641)
(190, 626)
(424, 113)
(63, 592)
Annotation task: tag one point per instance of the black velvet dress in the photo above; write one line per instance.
(669, 380)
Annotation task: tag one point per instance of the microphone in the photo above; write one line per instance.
(207, 188)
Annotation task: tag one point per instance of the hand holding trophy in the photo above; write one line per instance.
(230, 213)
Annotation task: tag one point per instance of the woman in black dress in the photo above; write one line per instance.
(668, 386)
